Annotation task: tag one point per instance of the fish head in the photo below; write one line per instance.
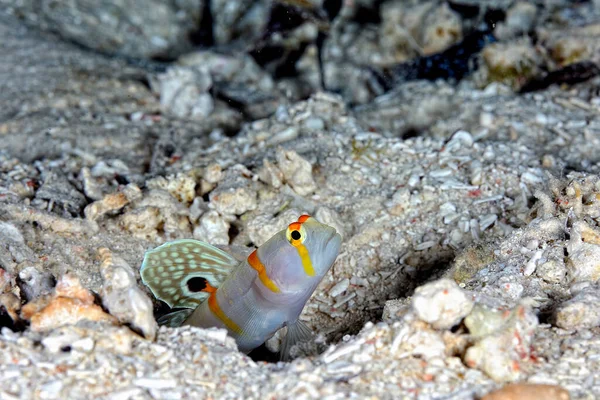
(297, 258)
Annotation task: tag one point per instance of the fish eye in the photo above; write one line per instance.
(296, 234)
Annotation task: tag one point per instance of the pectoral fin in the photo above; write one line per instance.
(297, 332)
(175, 318)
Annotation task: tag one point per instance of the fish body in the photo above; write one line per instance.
(252, 299)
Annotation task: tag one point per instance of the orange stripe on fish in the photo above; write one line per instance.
(295, 226)
(303, 218)
(258, 266)
(213, 305)
(208, 288)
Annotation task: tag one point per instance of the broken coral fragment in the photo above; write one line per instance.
(181, 186)
(184, 92)
(584, 253)
(503, 346)
(582, 311)
(441, 303)
(123, 297)
(212, 228)
(511, 63)
(233, 200)
(441, 28)
(213, 173)
(270, 174)
(418, 339)
(155, 213)
(297, 171)
(69, 304)
(112, 202)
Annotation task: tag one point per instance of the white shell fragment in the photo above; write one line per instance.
(123, 297)
(584, 254)
(181, 186)
(234, 200)
(112, 202)
(580, 312)
(441, 303)
(270, 174)
(339, 287)
(487, 220)
(532, 263)
(212, 228)
(184, 92)
(507, 344)
(153, 383)
(296, 171)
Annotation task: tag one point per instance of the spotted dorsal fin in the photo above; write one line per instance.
(179, 272)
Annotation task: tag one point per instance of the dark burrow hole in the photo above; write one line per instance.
(7, 321)
(164, 58)
(261, 353)
(143, 80)
(457, 328)
(467, 11)
(168, 150)
(410, 133)
(121, 180)
(431, 271)
(27, 286)
(547, 316)
(233, 232)
(365, 15)
(203, 36)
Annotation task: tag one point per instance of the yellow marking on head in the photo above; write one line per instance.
(305, 257)
(296, 234)
(213, 305)
(257, 265)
